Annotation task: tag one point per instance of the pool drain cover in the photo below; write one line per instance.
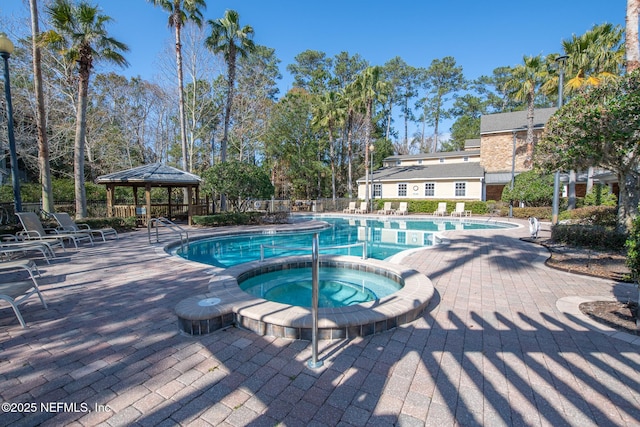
(208, 302)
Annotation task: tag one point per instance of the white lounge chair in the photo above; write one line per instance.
(386, 210)
(402, 209)
(362, 208)
(442, 209)
(16, 292)
(34, 230)
(351, 208)
(10, 245)
(460, 210)
(67, 224)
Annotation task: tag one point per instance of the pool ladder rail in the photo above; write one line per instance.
(164, 222)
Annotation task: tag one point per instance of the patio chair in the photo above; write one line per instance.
(362, 208)
(460, 210)
(386, 209)
(442, 209)
(402, 209)
(10, 245)
(351, 208)
(16, 292)
(67, 224)
(34, 230)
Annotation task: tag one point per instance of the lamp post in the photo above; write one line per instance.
(561, 61)
(513, 173)
(371, 149)
(6, 49)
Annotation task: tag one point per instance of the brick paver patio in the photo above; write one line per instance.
(501, 343)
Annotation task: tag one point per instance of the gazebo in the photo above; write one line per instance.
(147, 177)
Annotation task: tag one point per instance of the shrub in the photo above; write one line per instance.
(590, 236)
(633, 249)
(605, 216)
(600, 195)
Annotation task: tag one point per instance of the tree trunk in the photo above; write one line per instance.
(78, 149)
(632, 46)
(530, 106)
(183, 125)
(629, 187)
(41, 121)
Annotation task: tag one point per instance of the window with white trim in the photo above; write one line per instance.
(402, 190)
(461, 189)
(377, 190)
(430, 189)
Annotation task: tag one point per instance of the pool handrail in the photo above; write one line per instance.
(172, 226)
(294, 248)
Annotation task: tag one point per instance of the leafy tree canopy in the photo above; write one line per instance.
(531, 188)
(239, 181)
(600, 127)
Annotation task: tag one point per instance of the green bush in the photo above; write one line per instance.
(605, 216)
(228, 218)
(476, 207)
(600, 195)
(589, 236)
(633, 249)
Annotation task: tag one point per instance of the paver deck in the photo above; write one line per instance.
(501, 343)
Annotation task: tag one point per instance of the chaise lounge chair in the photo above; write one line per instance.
(10, 244)
(362, 208)
(67, 224)
(351, 208)
(460, 210)
(442, 209)
(386, 209)
(34, 230)
(17, 292)
(402, 209)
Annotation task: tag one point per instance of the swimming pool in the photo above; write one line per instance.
(384, 238)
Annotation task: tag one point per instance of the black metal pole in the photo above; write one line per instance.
(12, 140)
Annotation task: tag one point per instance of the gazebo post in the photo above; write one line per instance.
(110, 193)
(169, 188)
(147, 193)
(190, 205)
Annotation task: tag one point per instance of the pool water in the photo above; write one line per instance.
(383, 237)
(338, 287)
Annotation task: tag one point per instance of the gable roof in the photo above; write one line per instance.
(516, 120)
(433, 172)
(436, 155)
(155, 173)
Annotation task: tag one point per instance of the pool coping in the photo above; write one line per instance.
(236, 307)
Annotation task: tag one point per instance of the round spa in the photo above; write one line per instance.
(363, 297)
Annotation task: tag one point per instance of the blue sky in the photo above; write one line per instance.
(480, 35)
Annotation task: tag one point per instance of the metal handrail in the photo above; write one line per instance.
(169, 224)
(294, 248)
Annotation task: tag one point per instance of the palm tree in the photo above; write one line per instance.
(631, 37)
(594, 56)
(525, 83)
(41, 121)
(181, 11)
(231, 40)
(80, 36)
(370, 88)
(328, 112)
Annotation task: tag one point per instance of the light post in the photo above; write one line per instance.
(6, 49)
(513, 173)
(561, 61)
(371, 149)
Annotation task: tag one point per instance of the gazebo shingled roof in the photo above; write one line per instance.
(148, 176)
(155, 173)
